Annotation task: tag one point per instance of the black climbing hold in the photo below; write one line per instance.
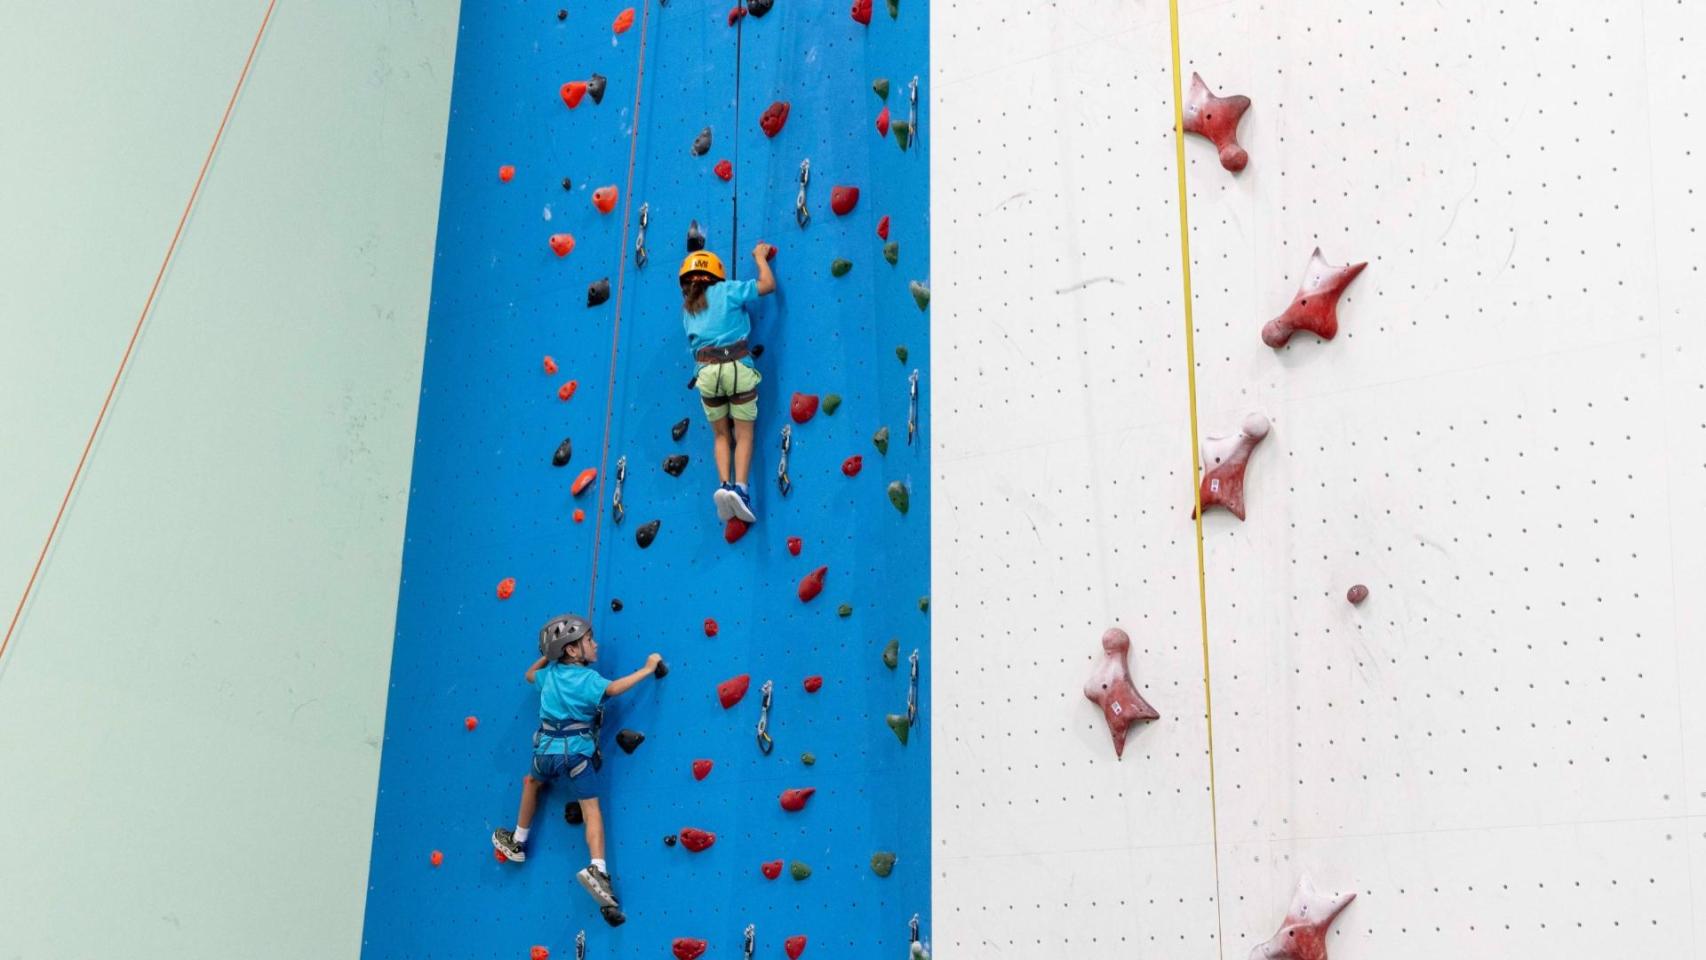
(568, 184)
(647, 533)
(595, 87)
(894, 9)
(564, 451)
(629, 740)
(615, 605)
(680, 429)
(661, 670)
(572, 812)
(695, 237)
(702, 143)
(891, 653)
(900, 353)
(758, 350)
(674, 464)
(597, 292)
(562, 14)
(669, 840)
(759, 8)
(613, 916)
(924, 604)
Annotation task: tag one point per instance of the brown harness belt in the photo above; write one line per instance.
(732, 353)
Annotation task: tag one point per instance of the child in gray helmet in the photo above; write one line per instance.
(571, 697)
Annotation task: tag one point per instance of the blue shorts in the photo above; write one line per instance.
(551, 767)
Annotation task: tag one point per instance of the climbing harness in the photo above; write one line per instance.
(765, 744)
(553, 729)
(730, 354)
(751, 940)
(640, 241)
(912, 692)
(782, 481)
(912, 114)
(617, 510)
(912, 408)
(580, 945)
(802, 216)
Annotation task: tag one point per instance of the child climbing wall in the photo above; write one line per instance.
(779, 777)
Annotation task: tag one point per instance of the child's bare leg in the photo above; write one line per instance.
(529, 802)
(722, 439)
(594, 821)
(743, 451)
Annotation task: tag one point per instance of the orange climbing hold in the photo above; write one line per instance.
(771, 869)
(623, 21)
(812, 584)
(604, 198)
(550, 365)
(579, 515)
(567, 390)
(730, 691)
(572, 92)
(687, 948)
(724, 170)
(562, 243)
(883, 227)
(814, 683)
(583, 481)
(506, 173)
(470, 722)
(701, 769)
(883, 122)
(794, 800)
(438, 858)
(843, 199)
(506, 588)
(794, 946)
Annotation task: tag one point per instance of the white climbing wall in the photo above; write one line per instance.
(1503, 751)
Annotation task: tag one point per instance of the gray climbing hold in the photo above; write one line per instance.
(900, 353)
(702, 143)
(839, 267)
(597, 292)
(881, 87)
(674, 464)
(920, 294)
(882, 863)
(831, 403)
(844, 611)
(595, 87)
(565, 450)
(647, 533)
(880, 440)
(899, 496)
(891, 253)
(891, 653)
(680, 429)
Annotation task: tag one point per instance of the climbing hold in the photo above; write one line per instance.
(899, 496)
(697, 840)
(808, 758)
(702, 146)
(661, 670)
(550, 366)
(883, 227)
(562, 15)
(920, 294)
(883, 121)
(572, 812)
(771, 869)
(924, 604)
(902, 134)
(802, 406)
(812, 584)
(568, 184)
(437, 858)
(759, 8)
(597, 292)
(647, 533)
(1303, 933)
(1316, 306)
(844, 611)
(894, 9)
(615, 605)
(579, 516)
(880, 87)
(900, 725)
(1216, 119)
(701, 769)
(1110, 687)
(629, 740)
(891, 653)
(506, 588)
(562, 243)
(891, 253)
(773, 118)
(798, 870)
(710, 627)
(794, 800)
(1356, 595)
(724, 170)
(506, 173)
(842, 200)
(615, 918)
(880, 440)
(731, 690)
(1223, 461)
(539, 953)
(758, 348)
(831, 403)
(674, 464)
(604, 199)
(469, 723)
(793, 947)
(882, 863)
(623, 21)
(736, 14)
(735, 529)
(814, 683)
(595, 87)
(839, 267)
(498, 855)
(901, 353)
(572, 92)
(680, 429)
(862, 11)
(669, 839)
(687, 948)
(794, 545)
(568, 389)
(565, 450)
(695, 237)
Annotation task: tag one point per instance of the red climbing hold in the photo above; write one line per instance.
(802, 407)
(687, 948)
(437, 858)
(539, 953)
(883, 122)
(1223, 461)
(470, 722)
(701, 769)
(736, 13)
(506, 588)
(1303, 934)
(697, 840)
(1216, 118)
(579, 515)
(771, 869)
(731, 690)
(1110, 687)
(852, 465)
(812, 584)
(604, 198)
(1316, 306)
(498, 855)
(623, 21)
(583, 481)
(1356, 595)
(735, 529)
(814, 683)
(843, 199)
(794, 800)
(773, 118)
(724, 170)
(862, 11)
(794, 545)
(710, 627)
(568, 389)
(562, 243)
(550, 365)
(572, 92)
(883, 227)
(506, 173)
(793, 947)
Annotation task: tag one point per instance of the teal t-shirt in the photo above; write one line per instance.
(568, 691)
(724, 320)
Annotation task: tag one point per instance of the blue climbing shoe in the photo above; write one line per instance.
(740, 504)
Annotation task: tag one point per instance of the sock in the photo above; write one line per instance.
(521, 834)
(599, 863)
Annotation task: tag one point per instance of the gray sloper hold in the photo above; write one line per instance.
(702, 143)
(647, 533)
(674, 464)
(597, 292)
(595, 87)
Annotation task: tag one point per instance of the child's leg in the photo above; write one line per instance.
(529, 802)
(723, 438)
(594, 821)
(743, 450)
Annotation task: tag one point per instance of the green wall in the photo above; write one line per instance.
(191, 710)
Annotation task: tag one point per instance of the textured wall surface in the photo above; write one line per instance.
(191, 709)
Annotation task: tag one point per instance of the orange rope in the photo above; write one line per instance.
(171, 248)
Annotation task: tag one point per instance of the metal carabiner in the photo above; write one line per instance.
(580, 945)
(912, 408)
(782, 481)
(802, 216)
(912, 692)
(751, 940)
(916, 949)
(912, 116)
(617, 510)
(765, 743)
(640, 241)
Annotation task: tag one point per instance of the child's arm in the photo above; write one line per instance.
(766, 279)
(622, 685)
(538, 665)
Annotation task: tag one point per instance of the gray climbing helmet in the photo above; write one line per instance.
(561, 633)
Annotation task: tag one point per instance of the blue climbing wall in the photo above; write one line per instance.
(487, 504)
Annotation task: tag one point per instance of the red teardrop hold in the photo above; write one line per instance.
(604, 198)
(697, 840)
(731, 690)
(852, 465)
(572, 92)
(883, 123)
(710, 627)
(794, 800)
(562, 243)
(793, 947)
(506, 173)
(623, 21)
(812, 584)
(814, 683)
(735, 529)
(843, 199)
(862, 11)
(773, 118)
(883, 227)
(550, 365)
(736, 13)
(724, 170)
(794, 545)
(687, 948)
(802, 407)
(701, 769)
(583, 481)
(771, 869)
(506, 588)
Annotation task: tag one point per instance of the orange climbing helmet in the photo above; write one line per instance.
(703, 261)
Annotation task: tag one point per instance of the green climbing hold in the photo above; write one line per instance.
(924, 604)
(882, 863)
(902, 131)
(831, 403)
(900, 353)
(845, 610)
(920, 294)
(880, 440)
(808, 758)
(881, 87)
(891, 253)
(839, 267)
(899, 496)
(897, 723)
(798, 870)
(891, 653)
(894, 9)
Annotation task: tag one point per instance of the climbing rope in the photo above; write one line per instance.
(147, 304)
(1196, 467)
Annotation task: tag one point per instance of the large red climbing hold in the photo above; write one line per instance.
(814, 683)
(1303, 934)
(1316, 306)
(687, 948)
(562, 243)
(795, 544)
(1223, 462)
(852, 465)
(843, 199)
(506, 173)
(572, 93)
(883, 227)
(771, 869)
(583, 481)
(710, 627)
(567, 390)
(735, 529)
(812, 584)
(604, 199)
(550, 365)
(802, 407)
(731, 690)
(701, 769)
(1110, 687)
(794, 800)
(883, 122)
(623, 21)
(773, 118)
(506, 588)
(862, 11)
(1216, 118)
(697, 840)
(793, 947)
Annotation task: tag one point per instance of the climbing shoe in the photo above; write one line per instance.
(725, 499)
(740, 504)
(597, 883)
(505, 842)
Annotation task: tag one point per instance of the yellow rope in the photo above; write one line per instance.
(1196, 466)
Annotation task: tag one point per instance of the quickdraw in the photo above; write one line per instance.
(912, 408)
(580, 945)
(640, 241)
(782, 481)
(912, 115)
(751, 940)
(617, 510)
(912, 692)
(765, 743)
(802, 216)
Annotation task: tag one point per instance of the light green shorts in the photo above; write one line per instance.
(726, 382)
